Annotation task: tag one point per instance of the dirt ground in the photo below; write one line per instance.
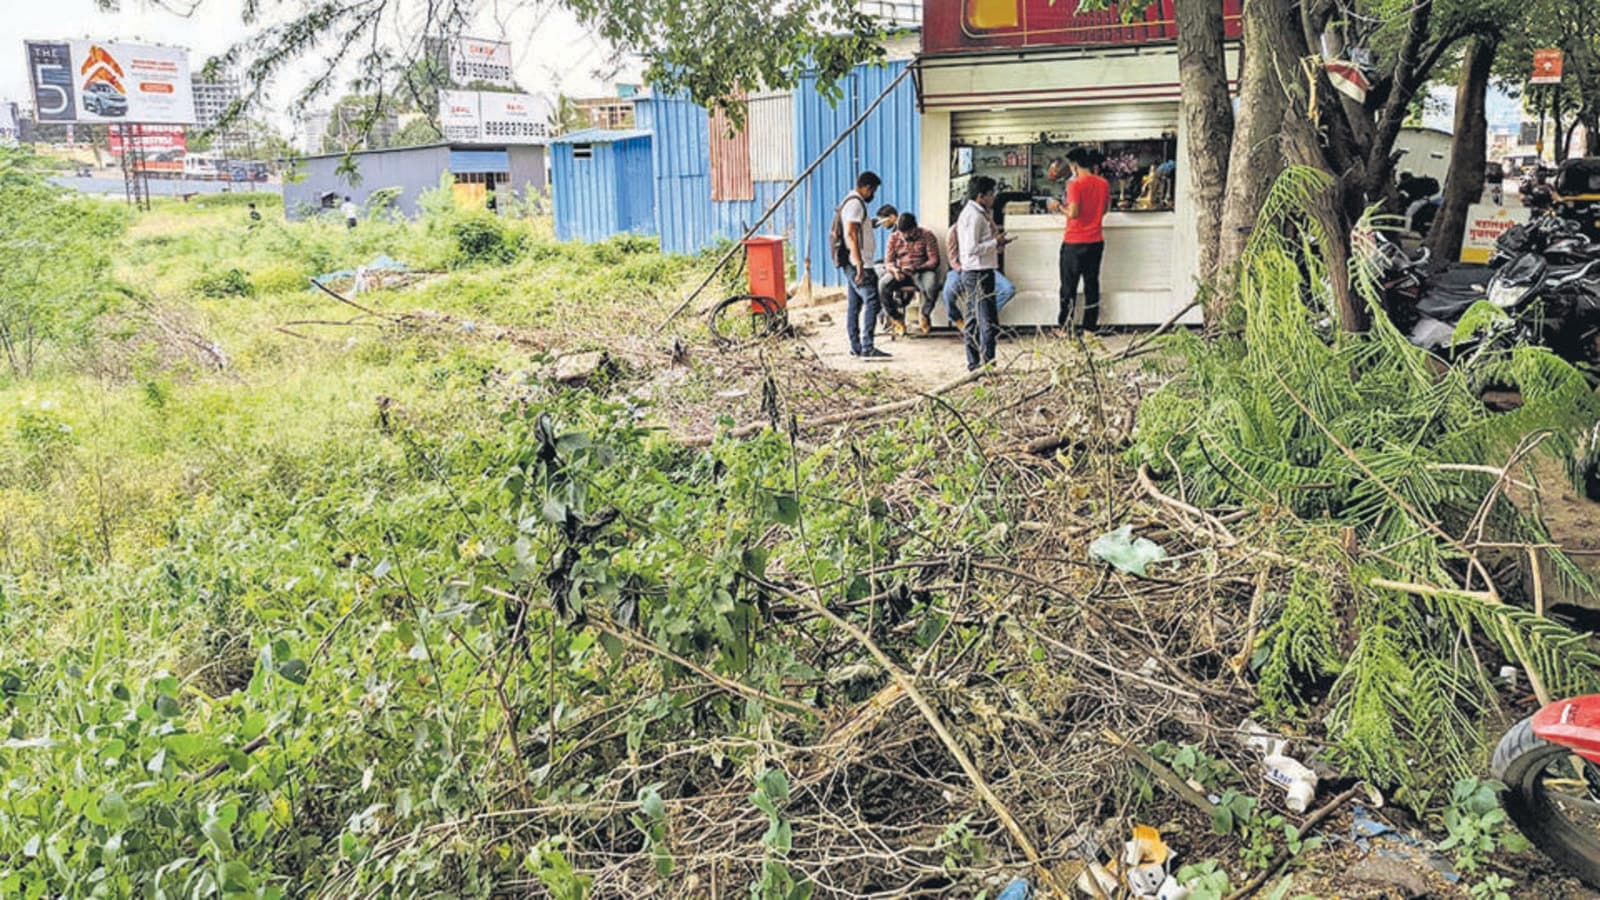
(931, 359)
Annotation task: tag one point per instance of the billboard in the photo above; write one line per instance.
(472, 59)
(93, 81)
(966, 26)
(10, 124)
(458, 115)
(515, 118)
(157, 148)
(495, 118)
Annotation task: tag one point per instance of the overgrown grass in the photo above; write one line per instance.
(268, 628)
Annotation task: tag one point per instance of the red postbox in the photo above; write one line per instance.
(764, 259)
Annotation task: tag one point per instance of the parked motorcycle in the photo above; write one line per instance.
(1550, 765)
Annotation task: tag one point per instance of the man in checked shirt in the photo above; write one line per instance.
(912, 260)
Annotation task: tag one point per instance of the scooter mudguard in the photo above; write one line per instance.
(1573, 723)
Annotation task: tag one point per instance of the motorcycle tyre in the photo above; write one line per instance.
(1517, 761)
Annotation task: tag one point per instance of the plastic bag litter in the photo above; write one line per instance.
(1016, 890)
(1126, 552)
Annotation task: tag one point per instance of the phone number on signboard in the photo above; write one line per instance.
(466, 71)
(516, 129)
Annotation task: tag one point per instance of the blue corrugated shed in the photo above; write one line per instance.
(605, 191)
(888, 143)
(688, 219)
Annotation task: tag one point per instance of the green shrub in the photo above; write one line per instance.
(482, 238)
(219, 285)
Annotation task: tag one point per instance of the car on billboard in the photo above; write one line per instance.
(102, 99)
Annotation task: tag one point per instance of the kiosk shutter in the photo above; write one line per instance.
(1065, 124)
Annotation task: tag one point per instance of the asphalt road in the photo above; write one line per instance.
(160, 187)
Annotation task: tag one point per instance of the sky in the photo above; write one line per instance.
(551, 50)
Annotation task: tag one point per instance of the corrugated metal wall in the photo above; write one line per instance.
(688, 219)
(730, 160)
(888, 143)
(771, 128)
(602, 195)
(786, 132)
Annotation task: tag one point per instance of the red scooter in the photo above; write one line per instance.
(1550, 764)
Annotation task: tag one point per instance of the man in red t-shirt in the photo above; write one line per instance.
(1084, 244)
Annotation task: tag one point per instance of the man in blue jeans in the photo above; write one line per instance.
(980, 244)
(1004, 290)
(861, 281)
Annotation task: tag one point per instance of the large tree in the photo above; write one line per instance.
(714, 51)
(1290, 111)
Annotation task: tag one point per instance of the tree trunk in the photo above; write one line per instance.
(1556, 100)
(1208, 117)
(1464, 185)
(1257, 155)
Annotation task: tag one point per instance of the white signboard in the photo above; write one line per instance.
(9, 123)
(95, 81)
(1485, 223)
(472, 60)
(458, 116)
(515, 118)
(494, 118)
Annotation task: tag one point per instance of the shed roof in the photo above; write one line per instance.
(600, 136)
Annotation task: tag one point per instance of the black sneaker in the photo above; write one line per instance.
(875, 354)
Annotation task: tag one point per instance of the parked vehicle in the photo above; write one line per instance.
(1544, 275)
(1550, 765)
(1576, 188)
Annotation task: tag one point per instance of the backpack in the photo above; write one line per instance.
(836, 242)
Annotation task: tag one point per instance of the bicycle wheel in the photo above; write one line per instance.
(745, 318)
(1551, 795)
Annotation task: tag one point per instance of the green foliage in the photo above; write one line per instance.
(57, 276)
(1476, 825)
(224, 283)
(1343, 432)
(1207, 880)
(1259, 831)
(483, 238)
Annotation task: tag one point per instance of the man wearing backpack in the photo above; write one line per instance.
(853, 244)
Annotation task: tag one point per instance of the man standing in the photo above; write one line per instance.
(350, 212)
(1084, 244)
(912, 260)
(854, 248)
(1004, 290)
(980, 244)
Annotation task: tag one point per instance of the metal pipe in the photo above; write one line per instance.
(784, 196)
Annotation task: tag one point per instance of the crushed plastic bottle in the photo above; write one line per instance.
(1297, 780)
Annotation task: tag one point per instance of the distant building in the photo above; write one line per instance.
(608, 113)
(313, 129)
(212, 100)
(320, 185)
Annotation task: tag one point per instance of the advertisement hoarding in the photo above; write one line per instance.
(495, 118)
(515, 118)
(966, 26)
(472, 59)
(158, 148)
(94, 81)
(458, 116)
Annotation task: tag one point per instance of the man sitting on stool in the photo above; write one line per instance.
(1004, 290)
(912, 260)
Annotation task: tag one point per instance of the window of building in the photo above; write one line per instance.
(582, 151)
